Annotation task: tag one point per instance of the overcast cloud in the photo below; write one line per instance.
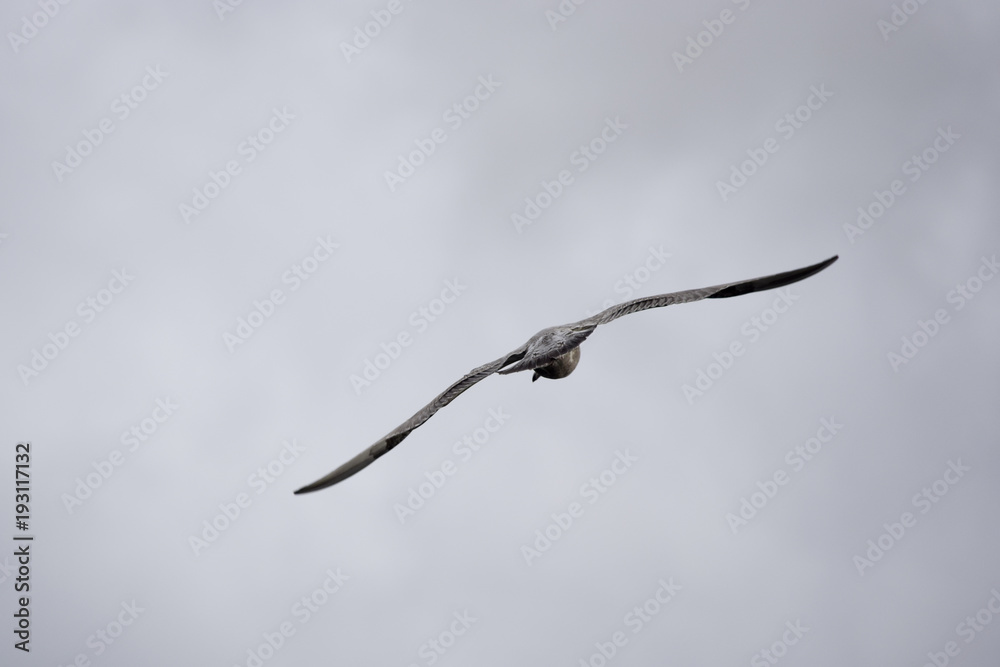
(243, 240)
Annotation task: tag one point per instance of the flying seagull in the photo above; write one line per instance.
(553, 353)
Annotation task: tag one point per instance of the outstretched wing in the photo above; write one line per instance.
(365, 458)
(716, 292)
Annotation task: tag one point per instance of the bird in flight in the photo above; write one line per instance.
(553, 353)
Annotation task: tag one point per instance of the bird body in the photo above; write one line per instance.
(554, 353)
(547, 347)
(560, 368)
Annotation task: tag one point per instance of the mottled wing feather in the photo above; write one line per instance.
(716, 292)
(645, 303)
(365, 458)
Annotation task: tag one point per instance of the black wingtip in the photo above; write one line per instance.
(775, 281)
(355, 465)
(322, 483)
(318, 484)
(308, 488)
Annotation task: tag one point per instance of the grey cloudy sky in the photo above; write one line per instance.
(214, 219)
